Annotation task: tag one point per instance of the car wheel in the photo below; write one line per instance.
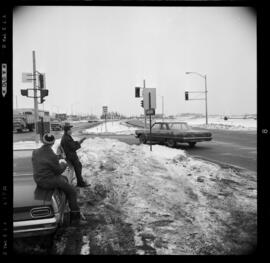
(142, 138)
(191, 144)
(171, 143)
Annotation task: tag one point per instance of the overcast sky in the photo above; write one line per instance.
(95, 56)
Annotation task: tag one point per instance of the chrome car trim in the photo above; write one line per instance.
(35, 222)
(46, 210)
(196, 138)
(34, 229)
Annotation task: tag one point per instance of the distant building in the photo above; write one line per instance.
(61, 116)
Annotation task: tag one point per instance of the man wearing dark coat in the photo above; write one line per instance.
(47, 174)
(70, 147)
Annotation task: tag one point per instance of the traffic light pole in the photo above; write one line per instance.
(205, 91)
(150, 137)
(35, 97)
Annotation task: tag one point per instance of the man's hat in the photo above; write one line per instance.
(67, 126)
(48, 139)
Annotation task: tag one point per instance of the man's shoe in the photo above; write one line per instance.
(77, 218)
(83, 184)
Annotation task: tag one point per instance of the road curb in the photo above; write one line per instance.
(222, 164)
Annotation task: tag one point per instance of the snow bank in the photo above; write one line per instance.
(174, 203)
(115, 127)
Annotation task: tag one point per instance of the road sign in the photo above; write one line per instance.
(27, 77)
(146, 92)
(105, 109)
(150, 111)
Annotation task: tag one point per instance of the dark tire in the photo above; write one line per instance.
(142, 138)
(192, 144)
(171, 143)
(19, 130)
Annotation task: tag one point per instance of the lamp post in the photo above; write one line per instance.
(205, 85)
(162, 108)
(162, 101)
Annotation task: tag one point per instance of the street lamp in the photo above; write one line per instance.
(162, 97)
(205, 85)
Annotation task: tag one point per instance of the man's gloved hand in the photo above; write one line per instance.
(63, 163)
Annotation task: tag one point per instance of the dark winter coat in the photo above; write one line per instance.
(70, 147)
(46, 164)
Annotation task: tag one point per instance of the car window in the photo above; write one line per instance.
(22, 162)
(179, 126)
(156, 126)
(164, 126)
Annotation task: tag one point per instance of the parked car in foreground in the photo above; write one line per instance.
(36, 211)
(172, 133)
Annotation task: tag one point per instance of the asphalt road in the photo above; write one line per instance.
(237, 148)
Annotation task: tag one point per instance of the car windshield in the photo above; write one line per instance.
(22, 163)
(179, 126)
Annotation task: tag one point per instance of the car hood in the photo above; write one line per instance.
(27, 194)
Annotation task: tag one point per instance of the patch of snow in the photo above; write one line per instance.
(218, 122)
(23, 145)
(169, 195)
(85, 250)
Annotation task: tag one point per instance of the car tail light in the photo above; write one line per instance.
(40, 212)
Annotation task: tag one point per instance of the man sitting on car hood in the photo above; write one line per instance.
(47, 174)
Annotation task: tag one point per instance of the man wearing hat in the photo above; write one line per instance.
(70, 147)
(47, 174)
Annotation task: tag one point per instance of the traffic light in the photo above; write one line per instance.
(186, 95)
(137, 92)
(43, 93)
(142, 103)
(41, 81)
(24, 92)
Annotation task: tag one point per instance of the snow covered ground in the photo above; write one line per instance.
(218, 122)
(161, 202)
(115, 127)
(174, 203)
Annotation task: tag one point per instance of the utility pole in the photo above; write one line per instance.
(35, 97)
(149, 98)
(206, 112)
(144, 109)
(162, 108)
